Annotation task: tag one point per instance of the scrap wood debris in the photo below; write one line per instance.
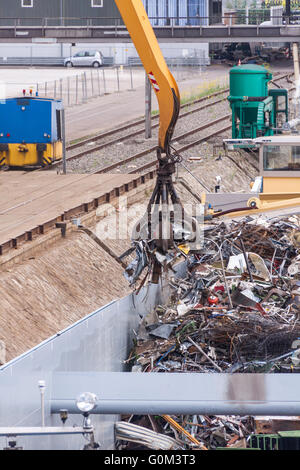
(236, 310)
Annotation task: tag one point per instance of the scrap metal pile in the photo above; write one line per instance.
(237, 309)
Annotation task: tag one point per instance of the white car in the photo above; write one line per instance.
(85, 59)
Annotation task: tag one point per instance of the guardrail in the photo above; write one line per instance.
(251, 16)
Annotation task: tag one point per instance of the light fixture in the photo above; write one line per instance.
(86, 402)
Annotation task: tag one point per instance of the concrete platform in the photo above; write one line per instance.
(30, 203)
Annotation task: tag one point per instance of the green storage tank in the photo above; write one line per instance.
(249, 80)
(254, 107)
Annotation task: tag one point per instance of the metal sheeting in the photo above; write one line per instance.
(98, 342)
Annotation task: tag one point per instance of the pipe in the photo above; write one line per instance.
(179, 393)
(144, 407)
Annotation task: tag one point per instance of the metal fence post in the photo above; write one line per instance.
(92, 83)
(85, 86)
(82, 87)
(104, 81)
(63, 130)
(46, 88)
(99, 89)
(76, 92)
(118, 78)
(68, 90)
(61, 88)
(54, 89)
(131, 77)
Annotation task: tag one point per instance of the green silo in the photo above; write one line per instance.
(254, 106)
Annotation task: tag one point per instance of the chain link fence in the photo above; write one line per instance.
(93, 83)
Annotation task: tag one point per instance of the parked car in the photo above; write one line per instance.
(85, 59)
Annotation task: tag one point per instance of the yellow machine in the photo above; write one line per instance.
(278, 183)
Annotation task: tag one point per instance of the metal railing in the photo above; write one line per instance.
(255, 17)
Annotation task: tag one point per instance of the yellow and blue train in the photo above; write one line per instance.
(30, 132)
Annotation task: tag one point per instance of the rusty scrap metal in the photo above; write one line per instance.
(236, 310)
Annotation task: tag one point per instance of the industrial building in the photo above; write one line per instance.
(103, 13)
(161, 12)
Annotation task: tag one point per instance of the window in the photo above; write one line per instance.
(97, 3)
(27, 3)
(281, 157)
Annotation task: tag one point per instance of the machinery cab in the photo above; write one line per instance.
(279, 167)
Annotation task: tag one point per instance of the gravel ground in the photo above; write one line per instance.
(121, 150)
(237, 170)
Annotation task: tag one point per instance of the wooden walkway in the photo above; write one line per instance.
(34, 202)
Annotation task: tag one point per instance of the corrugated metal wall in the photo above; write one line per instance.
(83, 9)
(78, 9)
(40, 9)
(161, 12)
(100, 342)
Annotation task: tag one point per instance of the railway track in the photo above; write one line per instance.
(113, 137)
(120, 135)
(140, 175)
(138, 156)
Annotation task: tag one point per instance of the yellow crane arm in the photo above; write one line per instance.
(141, 32)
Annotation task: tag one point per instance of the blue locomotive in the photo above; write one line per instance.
(30, 131)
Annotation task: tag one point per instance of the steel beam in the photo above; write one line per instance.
(213, 33)
(179, 393)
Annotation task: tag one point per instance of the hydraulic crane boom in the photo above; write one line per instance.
(163, 83)
(164, 211)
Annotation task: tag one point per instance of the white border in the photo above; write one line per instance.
(27, 6)
(96, 6)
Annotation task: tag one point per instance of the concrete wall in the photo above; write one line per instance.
(99, 342)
